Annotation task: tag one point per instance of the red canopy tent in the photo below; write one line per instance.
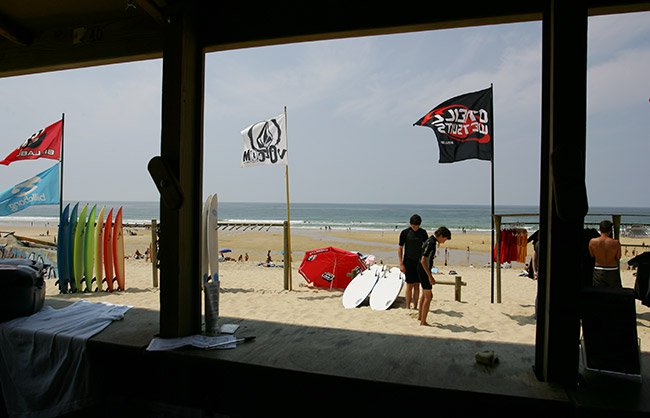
(330, 267)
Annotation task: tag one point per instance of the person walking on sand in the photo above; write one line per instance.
(607, 254)
(409, 252)
(427, 281)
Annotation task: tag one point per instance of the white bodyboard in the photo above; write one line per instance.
(212, 238)
(205, 267)
(387, 289)
(360, 287)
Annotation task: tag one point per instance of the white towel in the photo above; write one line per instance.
(44, 370)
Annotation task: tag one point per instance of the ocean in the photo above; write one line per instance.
(350, 216)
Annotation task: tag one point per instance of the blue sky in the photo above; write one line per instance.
(351, 106)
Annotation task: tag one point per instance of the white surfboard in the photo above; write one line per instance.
(205, 267)
(212, 237)
(210, 265)
(387, 289)
(360, 287)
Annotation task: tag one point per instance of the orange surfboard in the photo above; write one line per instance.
(118, 250)
(108, 251)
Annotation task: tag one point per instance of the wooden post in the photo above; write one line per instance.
(563, 197)
(497, 229)
(287, 257)
(457, 286)
(181, 155)
(616, 221)
(153, 252)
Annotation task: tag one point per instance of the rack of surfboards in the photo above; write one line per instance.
(90, 250)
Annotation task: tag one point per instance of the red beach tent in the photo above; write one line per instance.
(330, 267)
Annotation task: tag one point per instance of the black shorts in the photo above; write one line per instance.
(424, 278)
(411, 273)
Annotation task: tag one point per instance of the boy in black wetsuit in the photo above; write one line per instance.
(408, 254)
(427, 281)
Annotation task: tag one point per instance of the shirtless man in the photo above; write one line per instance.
(607, 252)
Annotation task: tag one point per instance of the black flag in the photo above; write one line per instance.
(463, 126)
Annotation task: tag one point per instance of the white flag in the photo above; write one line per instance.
(265, 143)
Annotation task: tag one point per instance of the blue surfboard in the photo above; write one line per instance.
(61, 250)
(72, 229)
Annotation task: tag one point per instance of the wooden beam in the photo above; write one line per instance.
(562, 190)
(14, 32)
(291, 22)
(182, 152)
(130, 39)
(153, 10)
(73, 42)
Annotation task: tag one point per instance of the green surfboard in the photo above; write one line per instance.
(79, 241)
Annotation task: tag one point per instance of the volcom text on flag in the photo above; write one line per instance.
(265, 143)
(463, 126)
(45, 143)
(42, 189)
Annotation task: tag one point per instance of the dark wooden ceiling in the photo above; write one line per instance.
(47, 35)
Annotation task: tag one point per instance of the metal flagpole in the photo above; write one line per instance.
(61, 166)
(492, 197)
(288, 257)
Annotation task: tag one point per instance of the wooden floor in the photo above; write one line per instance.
(301, 371)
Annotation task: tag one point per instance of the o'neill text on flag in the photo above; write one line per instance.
(42, 189)
(463, 126)
(265, 143)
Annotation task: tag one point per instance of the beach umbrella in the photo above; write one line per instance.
(330, 267)
(225, 250)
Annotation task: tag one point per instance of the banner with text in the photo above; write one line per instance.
(42, 189)
(45, 143)
(463, 126)
(265, 143)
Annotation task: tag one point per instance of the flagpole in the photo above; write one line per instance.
(492, 197)
(61, 166)
(287, 257)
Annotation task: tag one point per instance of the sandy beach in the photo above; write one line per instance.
(251, 291)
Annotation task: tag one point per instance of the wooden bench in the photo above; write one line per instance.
(457, 283)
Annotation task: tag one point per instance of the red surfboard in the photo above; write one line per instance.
(108, 251)
(118, 250)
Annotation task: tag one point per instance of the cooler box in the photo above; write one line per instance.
(22, 287)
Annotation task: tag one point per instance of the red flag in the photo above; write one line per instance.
(45, 143)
